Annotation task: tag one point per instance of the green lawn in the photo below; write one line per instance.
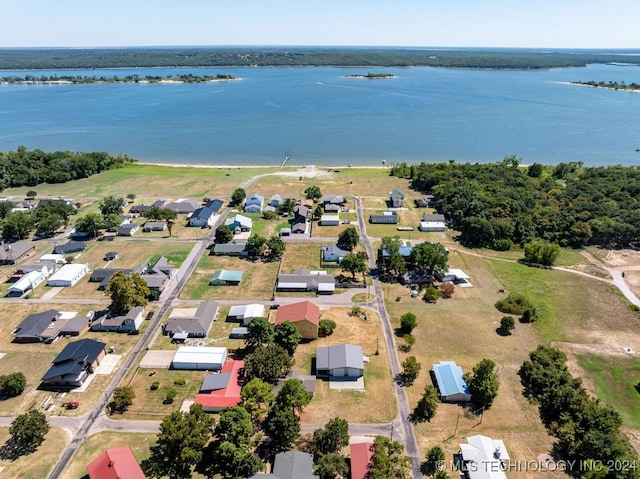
(615, 379)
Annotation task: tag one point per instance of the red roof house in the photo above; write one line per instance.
(305, 315)
(117, 463)
(361, 454)
(222, 389)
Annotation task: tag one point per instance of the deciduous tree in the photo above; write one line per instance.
(126, 292)
(260, 332)
(354, 263)
(268, 363)
(223, 234)
(432, 258)
(238, 196)
(410, 370)
(408, 322)
(112, 204)
(12, 384)
(332, 437)
(348, 238)
(313, 193)
(286, 334)
(122, 398)
(332, 466)
(28, 430)
(427, 405)
(293, 394)
(283, 428)
(483, 383)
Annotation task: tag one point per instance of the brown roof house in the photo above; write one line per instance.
(11, 253)
(305, 315)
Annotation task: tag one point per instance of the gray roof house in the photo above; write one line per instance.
(331, 208)
(396, 196)
(38, 327)
(129, 323)
(205, 216)
(306, 280)
(11, 253)
(384, 218)
(183, 207)
(69, 247)
(332, 199)
(332, 253)
(76, 361)
(196, 326)
(275, 201)
(230, 249)
(340, 361)
(253, 203)
(290, 465)
(127, 229)
(154, 226)
(103, 276)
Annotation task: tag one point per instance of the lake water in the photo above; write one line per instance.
(319, 116)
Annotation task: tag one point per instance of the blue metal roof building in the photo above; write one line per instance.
(451, 384)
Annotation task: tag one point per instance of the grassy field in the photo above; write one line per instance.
(301, 255)
(615, 378)
(376, 404)
(38, 464)
(257, 282)
(151, 182)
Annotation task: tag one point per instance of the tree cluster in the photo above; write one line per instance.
(584, 428)
(389, 460)
(47, 218)
(500, 204)
(483, 383)
(30, 168)
(269, 248)
(12, 385)
(27, 432)
(127, 292)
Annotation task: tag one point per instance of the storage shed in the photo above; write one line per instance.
(199, 358)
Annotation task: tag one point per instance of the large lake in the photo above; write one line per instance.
(319, 116)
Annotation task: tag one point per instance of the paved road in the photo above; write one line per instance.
(405, 428)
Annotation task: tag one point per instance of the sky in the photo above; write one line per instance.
(421, 23)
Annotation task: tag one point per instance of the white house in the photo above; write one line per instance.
(239, 223)
(68, 275)
(484, 458)
(56, 258)
(253, 203)
(199, 358)
(332, 253)
(432, 223)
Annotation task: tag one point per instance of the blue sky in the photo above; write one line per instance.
(474, 23)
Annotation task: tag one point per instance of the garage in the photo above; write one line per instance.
(200, 358)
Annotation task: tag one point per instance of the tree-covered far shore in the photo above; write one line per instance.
(175, 57)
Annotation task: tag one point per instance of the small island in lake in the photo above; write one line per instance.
(187, 78)
(372, 76)
(609, 85)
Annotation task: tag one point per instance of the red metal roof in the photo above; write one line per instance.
(361, 454)
(229, 396)
(304, 310)
(117, 463)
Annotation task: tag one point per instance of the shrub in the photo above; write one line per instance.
(170, 396)
(514, 303)
(408, 322)
(431, 294)
(447, 289)
(326, 327)
(409, 341)
(12, 385)
(529, 315)
(501, 245)
(507, 323)
(155, 385)
(180, 381)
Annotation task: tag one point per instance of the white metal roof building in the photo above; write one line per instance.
(68, 275)
(484, 457)
(201, 358)
(245, 313)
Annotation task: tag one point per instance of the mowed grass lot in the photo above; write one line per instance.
(131, 254)
(463, 328)
(257, 282)
(151, 181)
(378, 403)
(301, 255)
(36, 465)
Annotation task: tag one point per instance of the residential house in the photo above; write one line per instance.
(206, 215)
(340, 361)
(253, 203)
(285, 232)
(332, 200)
(304, 315)
(290, 465)
(484, 458)
(331, 208)
(226, 277)
(233, 248)
(307, 280)
(386, 218)
(69, 247)
(329, 220)
(276, 200)
(157, 274)
(333, 253)
(239, 224)
(396, 197)
(308, 382)
(32, 276)
(38, 327)
(182, 207)
(142, 209)
(75, 362)
(53, 258)
(200, 358)
(68, 275)
(221, 390)
(127, 229)
(129, 323)
(11, 253)
(432, 223)
(103, 276)
(450, 382)
(457, 277)
(245, 313)
(302, 213)
(116, 463)
(404, 250)
(299, 228)
(361, 454)
(154, 226)
(75, 325)
(190, 324)
(270, 209)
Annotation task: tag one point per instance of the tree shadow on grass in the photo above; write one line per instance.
(11, 451)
